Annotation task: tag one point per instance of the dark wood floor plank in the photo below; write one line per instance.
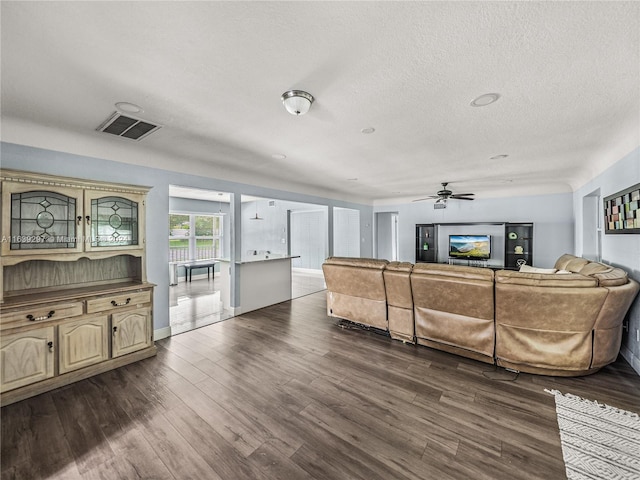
(322, 447)
(286, 393)
(37, 453)
(15, 425)
(238, 433)
(268, 417)
(275, 465)
(81, 428)
(227, 461)
(175, 451)
(391, 450)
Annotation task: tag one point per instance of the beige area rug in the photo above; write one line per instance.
(598, 441)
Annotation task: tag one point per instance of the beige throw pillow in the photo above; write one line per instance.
(528, 269)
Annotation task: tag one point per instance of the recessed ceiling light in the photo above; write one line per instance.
(499, 157)
(368, 130)
(486, 99)
(352, 179)
(279, 156)
(129, 107)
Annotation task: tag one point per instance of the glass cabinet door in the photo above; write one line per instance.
(41, 221)
(113, 221)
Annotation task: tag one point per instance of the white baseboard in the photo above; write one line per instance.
(631, 358)
(161, 333)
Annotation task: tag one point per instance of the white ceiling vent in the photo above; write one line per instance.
(127, 126)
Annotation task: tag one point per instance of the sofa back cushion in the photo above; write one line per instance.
(357, 277)
(605, 275)
(453, 307)
(398, 285)
(571, 263)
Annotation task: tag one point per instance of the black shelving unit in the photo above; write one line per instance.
(426, 243)
(518, 245)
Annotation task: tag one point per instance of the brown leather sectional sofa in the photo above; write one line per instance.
(567, 323)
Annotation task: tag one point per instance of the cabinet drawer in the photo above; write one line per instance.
(40, 313)
(119, 300)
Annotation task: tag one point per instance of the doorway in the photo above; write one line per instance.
(307, 229)
(387, 236)
(592, 226)
(198, 235)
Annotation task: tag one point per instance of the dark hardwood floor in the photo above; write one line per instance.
(284, 393)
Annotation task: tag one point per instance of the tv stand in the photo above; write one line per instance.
(469, 262)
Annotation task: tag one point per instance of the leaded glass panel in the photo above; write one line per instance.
(114, 222)
(42, 219)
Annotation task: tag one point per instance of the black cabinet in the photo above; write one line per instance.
(518, 245)
(426, 243)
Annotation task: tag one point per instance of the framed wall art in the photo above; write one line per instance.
(622, 211)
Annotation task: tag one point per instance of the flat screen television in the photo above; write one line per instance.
(470, 247)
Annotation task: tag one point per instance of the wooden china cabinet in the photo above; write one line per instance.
(74, 296)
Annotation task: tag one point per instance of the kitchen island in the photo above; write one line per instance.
(261, 280)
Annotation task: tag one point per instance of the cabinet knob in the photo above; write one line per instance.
(31, 318)
(88, 219)
(115, 329)
(50, 345)
(116, 304)
(79, 220)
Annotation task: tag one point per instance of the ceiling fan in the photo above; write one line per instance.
(445, 194)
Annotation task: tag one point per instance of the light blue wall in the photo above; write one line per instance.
(21, 157)
(552, 215)
(622, 250)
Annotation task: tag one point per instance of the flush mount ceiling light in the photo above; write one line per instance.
(297, 102)
(279, 156)
(128, 107)
(368, 130)
(484, 100)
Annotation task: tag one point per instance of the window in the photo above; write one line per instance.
(194, 237)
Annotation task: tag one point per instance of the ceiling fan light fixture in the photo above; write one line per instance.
(297, 102)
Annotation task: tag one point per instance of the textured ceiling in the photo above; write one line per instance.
(212, 74)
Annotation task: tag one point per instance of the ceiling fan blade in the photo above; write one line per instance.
(422, 199)
(463, 194)
(461, 198)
